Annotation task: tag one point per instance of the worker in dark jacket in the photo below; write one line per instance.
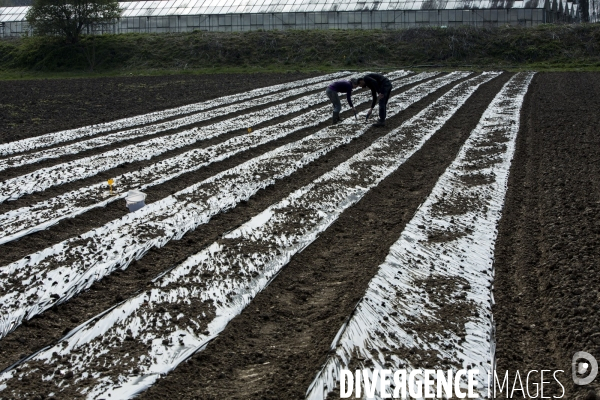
(381, 89)
(340, 87)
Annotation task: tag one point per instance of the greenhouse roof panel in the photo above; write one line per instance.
(196, 7)
(8, 14)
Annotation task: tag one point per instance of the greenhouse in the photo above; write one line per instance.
(247, 15)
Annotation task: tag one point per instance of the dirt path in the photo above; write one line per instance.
(274, 348)
(547, 252)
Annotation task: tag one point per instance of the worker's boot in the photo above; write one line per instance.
(379, 123)
(336, 118)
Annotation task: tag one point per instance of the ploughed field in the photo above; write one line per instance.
(275, 250)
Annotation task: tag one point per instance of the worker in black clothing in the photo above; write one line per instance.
(381, 89)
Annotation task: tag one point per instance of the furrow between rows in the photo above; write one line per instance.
(33, 284)
(26, 220)
(429, 306)
(124, 350)
(120, 136)
(73, 134)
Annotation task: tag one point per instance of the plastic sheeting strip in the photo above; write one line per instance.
(44, 178)
(110, 139)
(51, 139)
(429, 306)
(56, 175)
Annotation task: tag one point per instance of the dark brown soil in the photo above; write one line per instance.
(548, 253)
(31, 108)
(275, 347)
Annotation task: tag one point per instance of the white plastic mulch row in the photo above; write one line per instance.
(72, 134)
(35, 283)
(44, 178)
(105, 140)
(124, 350)
(26, 220)
(429, 306)
(86, 167)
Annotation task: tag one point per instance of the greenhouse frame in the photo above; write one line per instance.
(246, 15)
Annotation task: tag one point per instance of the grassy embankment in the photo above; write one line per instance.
(547, 47)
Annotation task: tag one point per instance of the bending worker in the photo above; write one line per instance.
(340, 87)
(381, 89)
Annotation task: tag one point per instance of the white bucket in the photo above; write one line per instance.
(135, 200)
